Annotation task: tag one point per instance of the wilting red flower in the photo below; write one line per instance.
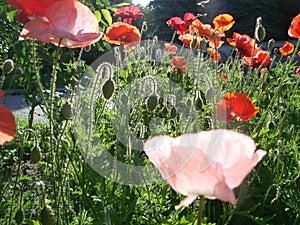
(121, 33)
(72, 26)
(223, 22)
(260, 58)
(209, 163)
(235, 107)
(298, 71)
(294, 30)
(243, 43)
(169, 48)
(287, 48)
(187, 40)
(7, 123)
(128, 13)
(214, 55)
(189, 18)
(176, 23)
(179, 63)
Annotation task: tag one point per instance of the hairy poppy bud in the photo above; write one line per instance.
(271, 44)
(66, 110)
(47, 216)
(260, 33)
(18, 71)
(36, 155)
(173, 112)
(108, 89)
(8, 66)
(73, 82)
(152, 102)
(19, 217)
(198, 103)
(203, 44)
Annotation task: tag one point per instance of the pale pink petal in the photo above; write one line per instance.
(186, 201)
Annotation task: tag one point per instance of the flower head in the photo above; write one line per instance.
(187, 39)
(189, 18)
(169, 48)
(235, 107)
(7, 123)
(260, 58)
(176, 23)
(128, 13)
(120, 33)
(179, 63)
(287, 48)
(214, 55)
(223, 22)
(210, 163)
(243, 43)
(297, 71)
(294, 30)
(48, 23)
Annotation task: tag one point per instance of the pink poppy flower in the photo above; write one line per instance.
(48, 22)
(210, 163)
(128, 13)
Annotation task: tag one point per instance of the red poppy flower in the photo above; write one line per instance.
(179, 63)
(235, 107)
(287, 48)
(128, 13)
(7, 123)
(294, 30)
(243, 43)
(121, 33)
(223, 22)
(260, 56)
(209, 163)
(214, 55)
(298, 71)
(187, 40)
(49, 23)
(169, 48)
(203, 30)
(176, 23)
(189, 18)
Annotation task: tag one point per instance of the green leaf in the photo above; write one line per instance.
(107, 16)
(11, 15)
(98, 15)
(119, 5)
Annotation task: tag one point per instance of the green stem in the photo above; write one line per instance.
(200, 210)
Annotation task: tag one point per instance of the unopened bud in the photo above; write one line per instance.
(203, 44)
(36, 155)
(108, 89)
(8, 66)
(18, 71)
(66, 110)
(73, 82)
(47, 216)
(260, 33)
(271, 44)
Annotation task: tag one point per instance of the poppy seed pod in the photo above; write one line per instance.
(108, 89)
(8, 66)
(47, 216)
(19, 217)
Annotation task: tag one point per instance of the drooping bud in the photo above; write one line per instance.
(19, 217)
(203, 44)
(209, 94)
(8, 66)
(152, 102)
(198, 103)
(36, 155)
(18, 71)
(271, 44)
(66, 110)
(73, 82)
(108, 89)
(47, 216)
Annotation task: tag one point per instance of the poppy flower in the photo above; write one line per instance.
(223, 22)
(176, 23)
(7, 123)
(179, 63)
(121, 33)
(243, 43)
(189, 18)
(287, 48)
(298, 71)
(260, 58)
(203, 30)
(169, 48)
(214, 55)
(48, 22)
(209, 163)
(128, 13)
(187, 40)
(294, 30)
(235, 107)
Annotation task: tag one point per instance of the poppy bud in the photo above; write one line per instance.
(259, 21)
(36, 155)
(73, 82)
(203, 44)
(173, 112)
(19, 217)
(66, 110)
(271, 44)
(18, 71)
(260, 33)
(198, 103)
(47, 216)
(8, 66)
(152, 102)
(193, 43)
(108, 89)
(209, 94)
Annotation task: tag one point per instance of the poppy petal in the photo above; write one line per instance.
(7, 125)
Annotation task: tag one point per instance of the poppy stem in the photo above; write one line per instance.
(200, 210)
